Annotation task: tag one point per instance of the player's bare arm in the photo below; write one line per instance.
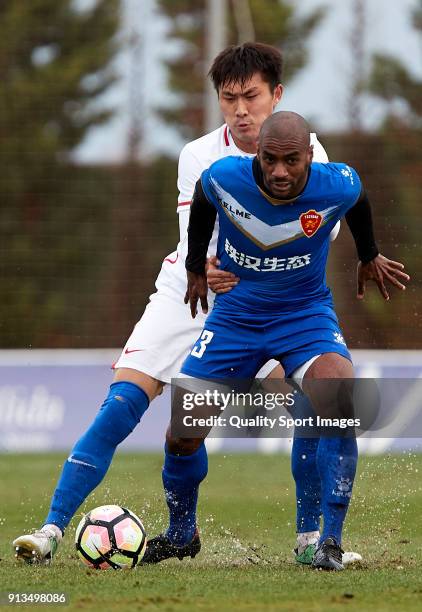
(372, 265)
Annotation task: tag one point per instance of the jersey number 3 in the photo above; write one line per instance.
(205, 339)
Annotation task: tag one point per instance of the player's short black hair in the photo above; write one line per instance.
(239, 63)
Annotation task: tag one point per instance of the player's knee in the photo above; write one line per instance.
(182, 446)
(149, 385)
(126, 393)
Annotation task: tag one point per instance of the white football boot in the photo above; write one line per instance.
(39, 547)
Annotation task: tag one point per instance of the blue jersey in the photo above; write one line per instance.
(279, 250)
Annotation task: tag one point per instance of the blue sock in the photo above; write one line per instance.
(308, 483)
(337, 461)
(182, 475)
(92, 454)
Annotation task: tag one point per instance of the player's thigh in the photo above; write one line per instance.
(224, 351)
(330, 365)
(225, 357)
(274, 368)
(161, 339)
(308, 336)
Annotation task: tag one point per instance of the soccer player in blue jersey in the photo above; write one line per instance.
(275, 215)
(247, 79)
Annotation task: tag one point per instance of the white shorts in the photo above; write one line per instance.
(162, 339)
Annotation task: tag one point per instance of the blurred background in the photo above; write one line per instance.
(97, 97)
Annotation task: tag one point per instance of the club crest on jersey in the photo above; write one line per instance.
(310, 222)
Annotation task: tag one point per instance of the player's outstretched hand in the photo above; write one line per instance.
(219, 281)
(197, 289)
(380, 270)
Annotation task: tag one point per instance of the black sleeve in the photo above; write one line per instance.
(359, 220)
(201, 225)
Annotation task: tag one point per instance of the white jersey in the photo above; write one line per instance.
(163, 337)
(195, 157)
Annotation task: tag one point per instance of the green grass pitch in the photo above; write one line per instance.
(246, 518)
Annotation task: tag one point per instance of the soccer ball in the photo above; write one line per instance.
(110, 537)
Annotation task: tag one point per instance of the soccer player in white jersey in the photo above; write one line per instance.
(248, 82)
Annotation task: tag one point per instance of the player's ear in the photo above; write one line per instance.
(277, 95)
(310, 153)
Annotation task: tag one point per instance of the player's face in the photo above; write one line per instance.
(285, 165)
(245, 108)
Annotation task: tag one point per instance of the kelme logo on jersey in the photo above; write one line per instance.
(310, 222)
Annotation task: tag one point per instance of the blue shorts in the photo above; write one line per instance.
(238, 346)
